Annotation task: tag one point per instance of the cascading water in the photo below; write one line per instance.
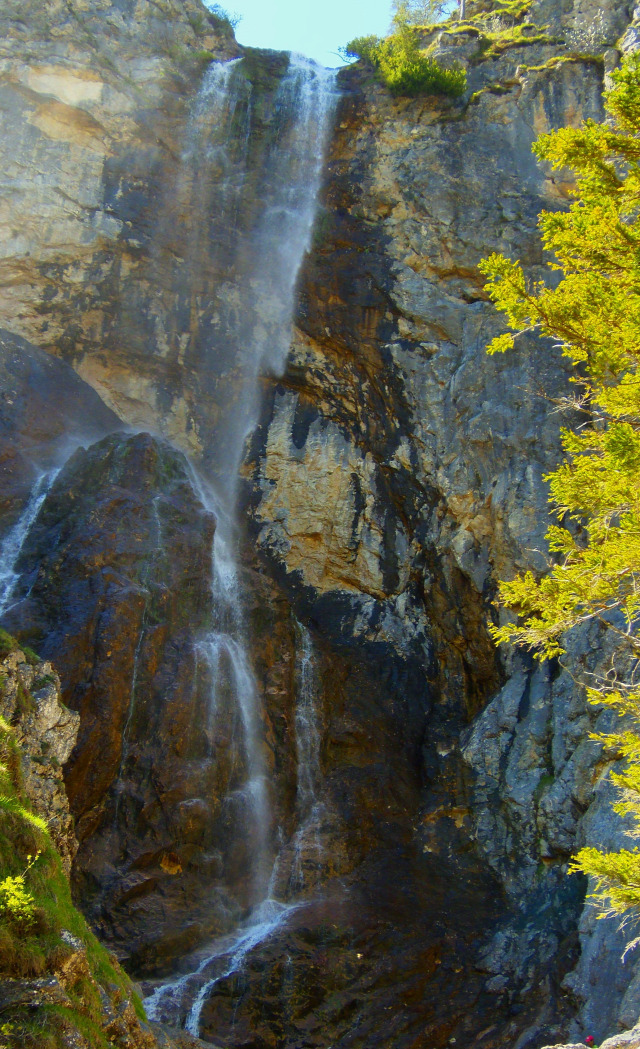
(307, 844)
(16, 537)
(250, 337)
(225, 958)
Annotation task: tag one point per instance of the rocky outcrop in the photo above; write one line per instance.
(96, 97)
(46, 733)
(45, 411)
(627, 1040)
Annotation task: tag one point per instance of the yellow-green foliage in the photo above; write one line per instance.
(594, 313)
(511, 10)
(404, 67)
(35, 908)
(17, 905)
(617, 878)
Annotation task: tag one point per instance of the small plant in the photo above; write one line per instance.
(231, 19)
(17, 905)
(197, 22)
(24, 701)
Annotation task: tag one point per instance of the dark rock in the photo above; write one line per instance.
(45, 411)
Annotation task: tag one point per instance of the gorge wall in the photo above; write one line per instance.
(394, 475)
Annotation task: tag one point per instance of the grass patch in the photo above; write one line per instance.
(574, 57)
(494, 44)
(8, 644)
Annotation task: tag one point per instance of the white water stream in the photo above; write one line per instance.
(226, 957)
(15, 539)
(267, 262)
(307, 844)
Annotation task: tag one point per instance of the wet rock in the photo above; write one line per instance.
(45, 411)
(115, 587)
(425, 459)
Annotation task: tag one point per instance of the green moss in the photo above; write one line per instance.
(203, 56)
(50, 1027)
(8, 644)
(515, 9)
(495, 44)
(574, 57)
(500, 87)
(32, 657)
(542, 786)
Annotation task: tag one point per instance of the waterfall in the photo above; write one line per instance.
(307, 846)
(167, 1004)
(250, 337)
(11, 547)
(255, 339)
(261, 230)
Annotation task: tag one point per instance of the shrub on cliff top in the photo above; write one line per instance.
(404, 67)
(594, 313)
(421, 12)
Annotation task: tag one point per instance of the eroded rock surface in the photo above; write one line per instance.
(45, 411)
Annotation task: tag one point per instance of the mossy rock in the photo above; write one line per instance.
(40, 929)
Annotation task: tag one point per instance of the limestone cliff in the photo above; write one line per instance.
(394, 476)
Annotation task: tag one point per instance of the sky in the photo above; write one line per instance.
(315, 28)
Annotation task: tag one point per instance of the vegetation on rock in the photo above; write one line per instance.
(54, 974)
(408, 60)
(230, 19)
(405, 68)
(421, 12)
(594, 313)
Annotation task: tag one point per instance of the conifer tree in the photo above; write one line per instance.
(594, 313)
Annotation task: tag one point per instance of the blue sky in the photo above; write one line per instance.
(316, 28)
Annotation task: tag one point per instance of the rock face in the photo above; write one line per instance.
(118, 590)
(46, 733)
(44, 412)
(425, 791)
(628, 1040)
